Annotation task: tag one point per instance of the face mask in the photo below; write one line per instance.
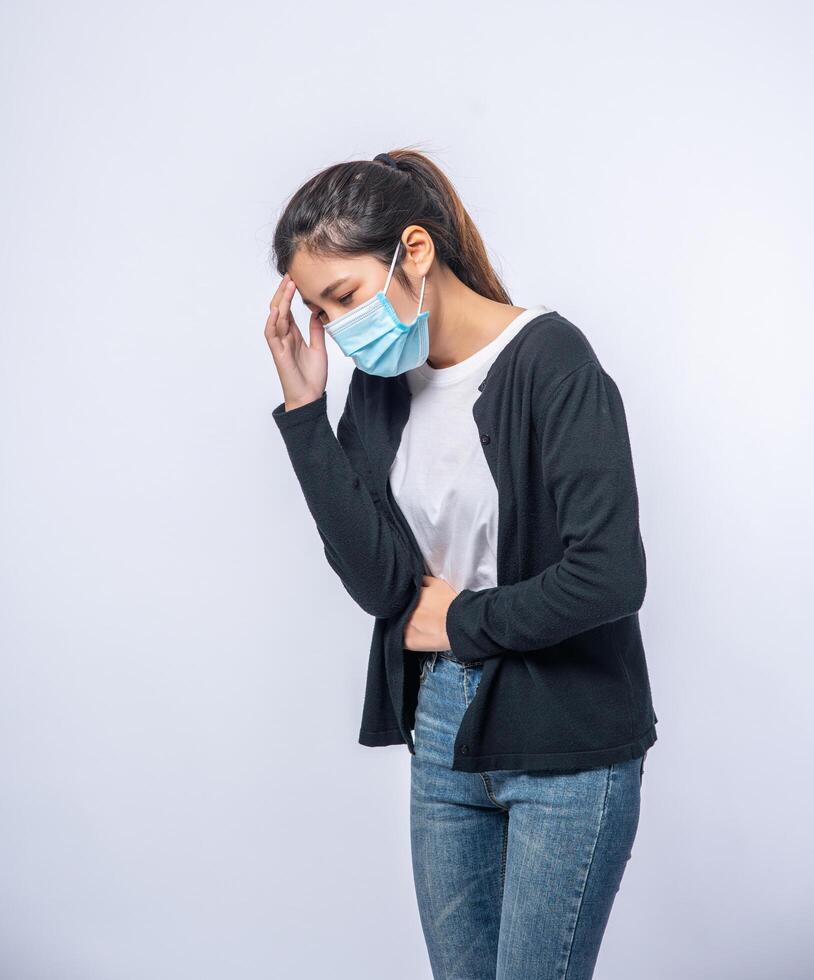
(377, 340)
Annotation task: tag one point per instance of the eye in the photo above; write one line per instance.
(343, 300)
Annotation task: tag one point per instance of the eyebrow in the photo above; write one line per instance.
(326, 291)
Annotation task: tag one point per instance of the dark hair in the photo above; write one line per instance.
(363, 206)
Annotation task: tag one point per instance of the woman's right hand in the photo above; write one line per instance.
(303, 368)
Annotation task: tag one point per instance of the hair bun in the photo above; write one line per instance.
(387, 159)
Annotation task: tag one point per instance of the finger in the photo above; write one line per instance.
(275, 342)
(281, 326)
(278, 293)
(282, 341)
(316, 333)
(285, 321)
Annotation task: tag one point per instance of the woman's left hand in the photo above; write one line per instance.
(426, 628)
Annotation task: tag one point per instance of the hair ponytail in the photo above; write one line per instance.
(364, 205)
(465, 252)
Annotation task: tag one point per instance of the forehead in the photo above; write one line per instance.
(316, 275)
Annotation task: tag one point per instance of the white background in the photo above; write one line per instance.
(183, 795)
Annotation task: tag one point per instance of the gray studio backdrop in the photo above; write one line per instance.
(182, 793)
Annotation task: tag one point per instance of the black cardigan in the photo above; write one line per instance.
(565, 683)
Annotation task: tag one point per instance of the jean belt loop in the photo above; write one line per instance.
(433, 658)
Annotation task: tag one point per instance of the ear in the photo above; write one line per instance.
(419, 250)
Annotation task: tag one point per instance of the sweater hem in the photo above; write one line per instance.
(557, 761)
(391, 736)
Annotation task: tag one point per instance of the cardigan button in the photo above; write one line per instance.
(464, 749)
(485, 439)
(356, 481)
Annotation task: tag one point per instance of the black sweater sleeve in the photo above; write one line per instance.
(601, 576)
(360, 542)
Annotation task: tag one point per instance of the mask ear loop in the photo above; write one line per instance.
(392, 267)
(390, 275)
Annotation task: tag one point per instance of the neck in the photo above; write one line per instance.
(462, 321)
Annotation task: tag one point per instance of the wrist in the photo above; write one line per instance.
(310, 412)
(299, 402)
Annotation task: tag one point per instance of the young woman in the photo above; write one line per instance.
(479, 501)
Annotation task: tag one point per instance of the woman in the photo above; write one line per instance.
(479, 501)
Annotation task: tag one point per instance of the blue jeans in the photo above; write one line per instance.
(515, 871)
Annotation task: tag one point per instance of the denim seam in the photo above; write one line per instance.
(503, 855)
(611, 770)
(488, 786)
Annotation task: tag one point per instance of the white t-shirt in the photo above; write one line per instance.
(440, 477)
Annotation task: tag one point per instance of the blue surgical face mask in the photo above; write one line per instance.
(377, 340)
